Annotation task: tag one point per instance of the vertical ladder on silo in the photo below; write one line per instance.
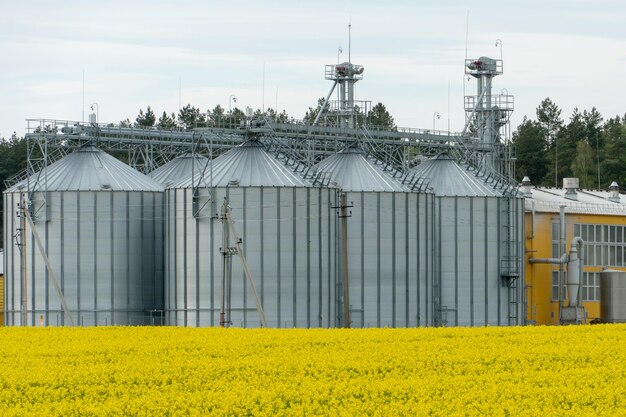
(509, 263)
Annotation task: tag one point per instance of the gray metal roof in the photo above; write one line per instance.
(246, 165)
(447, 178)
(89, 169)
(352, 172)
(181, 167)
(550, 200)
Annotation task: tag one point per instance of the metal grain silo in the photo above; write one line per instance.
(101, 225)
(181, 167)
(287, 228)
(479, 239)
(613, 296)
(389, 245)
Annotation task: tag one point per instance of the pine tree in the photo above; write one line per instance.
(380, 117)
(167, 122)
(145, 120)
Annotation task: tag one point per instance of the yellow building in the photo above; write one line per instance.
(598, 217)
(1, 287)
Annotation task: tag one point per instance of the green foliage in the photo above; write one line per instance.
(530, 144)
(216, 117)
(612, 155)
(167, 122)
(380, 117)
(12, 160)
(550, 123)
(189, 117)
(235, 117)
(549, 120)
(281, 117)
(311, 113)
(145, 120)
(583, 166)
(577, 149)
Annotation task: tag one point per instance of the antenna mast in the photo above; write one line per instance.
(350, 40)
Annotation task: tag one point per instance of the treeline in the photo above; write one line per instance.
(587, 147)
(189, 117)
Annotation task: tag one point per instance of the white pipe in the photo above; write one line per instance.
(532, 220)
(575, 267)
(574, 271)
(559, 261)
(324, 104)
(562, 251)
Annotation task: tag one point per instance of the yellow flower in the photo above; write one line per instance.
(170, 371)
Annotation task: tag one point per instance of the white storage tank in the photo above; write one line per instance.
(613, 296)
(287, 228)
(390, 245)
(479, 235)
(101, 223)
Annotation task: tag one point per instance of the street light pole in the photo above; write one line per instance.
(231, 98)
(499, 43)
(436, 115)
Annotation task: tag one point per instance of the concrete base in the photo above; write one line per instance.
(573, 315)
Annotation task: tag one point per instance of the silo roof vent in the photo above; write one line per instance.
(526, 187)
(570, 185)
(614, 192)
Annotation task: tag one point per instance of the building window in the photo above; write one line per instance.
(555, 240)
(605, 245)
(590, 290)
(590, 255)
(555, 286)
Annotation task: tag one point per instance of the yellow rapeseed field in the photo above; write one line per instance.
(142, 371)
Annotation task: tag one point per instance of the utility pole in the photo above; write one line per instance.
(227, 268)
(53, 277)
(21, 244)
(345, 282)
(227, 252)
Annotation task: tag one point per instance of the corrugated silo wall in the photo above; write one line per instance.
(391, 262)
(289, 241)
(106, 250)
(471, 235)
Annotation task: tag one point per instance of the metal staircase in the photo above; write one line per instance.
(510, 269)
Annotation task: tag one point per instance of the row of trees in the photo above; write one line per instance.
(549, 149)
(189, 117)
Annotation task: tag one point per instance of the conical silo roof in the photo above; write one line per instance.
(89, 169)
(181, 167)
(247, 165)
(353, 172)
(447, 178)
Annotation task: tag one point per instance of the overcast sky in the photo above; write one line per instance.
(138, 53)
